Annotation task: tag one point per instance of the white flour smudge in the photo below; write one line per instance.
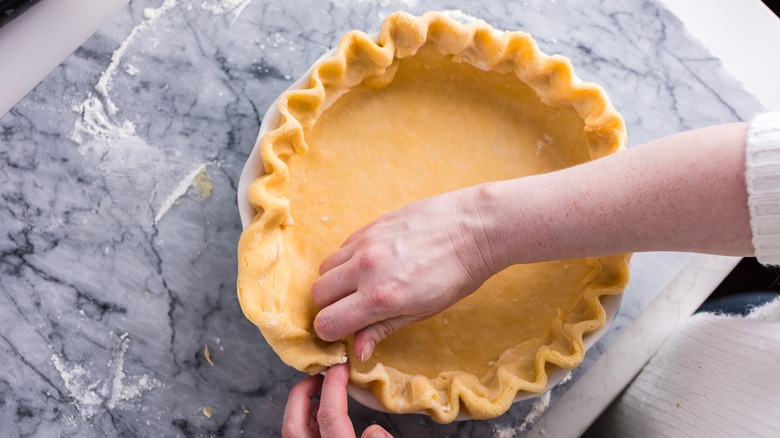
(95, 123)
(178, 192)
(409, 4)
(110, 141)
(537, 409)
(504, 432)
(96, 109)
(124, 387)
(79, 383)
(131, 70)
(91, 393)
(395, 3)
(460, 16)
(236, 7)
(104, 83)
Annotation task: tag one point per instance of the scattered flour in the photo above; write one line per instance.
(537, 409)
(123, 152)
(236, 7)
(92, 394)
(131, 70)
(95, 123)
(152, 14)
(408, 4)
(111, 141)
(104, 83)
(96, 109)
(124, 387)
(78, 382)
(539, 148)
(460, 16)
(178, 192)
(504, 432)
(541, 143)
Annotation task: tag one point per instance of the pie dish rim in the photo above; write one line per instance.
(253, 168)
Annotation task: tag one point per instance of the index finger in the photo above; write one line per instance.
(297, 411)
(350, 314)
(333, 417)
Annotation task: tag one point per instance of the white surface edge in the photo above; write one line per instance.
(744, 34)
(573, 413)
(36, 42)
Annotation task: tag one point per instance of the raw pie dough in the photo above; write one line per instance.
(432, 107)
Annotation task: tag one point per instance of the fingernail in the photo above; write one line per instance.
(376, 433)
(368, 349)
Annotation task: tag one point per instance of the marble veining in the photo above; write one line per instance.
(118, 179)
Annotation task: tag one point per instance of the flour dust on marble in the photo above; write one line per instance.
(111, 141)
(538, 407)
(409, 4)
(96, 110)
(96, 123)
(93, 394)
(198, 178)
(460, 16)
(222, 7)
(131, 70)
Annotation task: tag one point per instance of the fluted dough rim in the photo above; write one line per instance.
(260, 246)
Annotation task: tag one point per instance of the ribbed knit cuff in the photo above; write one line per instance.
(762, 175)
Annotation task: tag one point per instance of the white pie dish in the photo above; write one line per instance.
(253, 169)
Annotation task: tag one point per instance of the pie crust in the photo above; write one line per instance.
(431, 106)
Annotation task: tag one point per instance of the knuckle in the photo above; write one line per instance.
(382, 297)
(290, 431)
(327, 418)
(370, 258)
(324, 327)
(384, 329)
(323, 267)
(317, 294)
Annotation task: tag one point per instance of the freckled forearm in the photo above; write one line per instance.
(684, 192)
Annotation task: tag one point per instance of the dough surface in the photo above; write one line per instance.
(432, 107)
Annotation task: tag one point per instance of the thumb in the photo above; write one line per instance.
(368, 338)
(375, 431)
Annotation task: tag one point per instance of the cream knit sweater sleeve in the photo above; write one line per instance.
(762, 175)
(717, 376)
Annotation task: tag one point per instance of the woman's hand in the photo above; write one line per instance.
(684, 192)
(405, 267)
(306, 418)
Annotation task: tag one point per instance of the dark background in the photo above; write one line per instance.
(749, 275)
(773, 5)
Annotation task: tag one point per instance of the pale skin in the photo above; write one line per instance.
(306, 418)
(685, 192)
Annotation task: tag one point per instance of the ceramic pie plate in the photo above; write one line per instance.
(254, 169)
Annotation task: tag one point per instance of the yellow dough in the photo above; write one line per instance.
(431, 107)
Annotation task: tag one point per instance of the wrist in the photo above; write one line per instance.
(483, 214)
(524, 219)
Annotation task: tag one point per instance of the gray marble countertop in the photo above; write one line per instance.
(118, 180)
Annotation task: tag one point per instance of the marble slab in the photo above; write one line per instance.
(118, 180)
